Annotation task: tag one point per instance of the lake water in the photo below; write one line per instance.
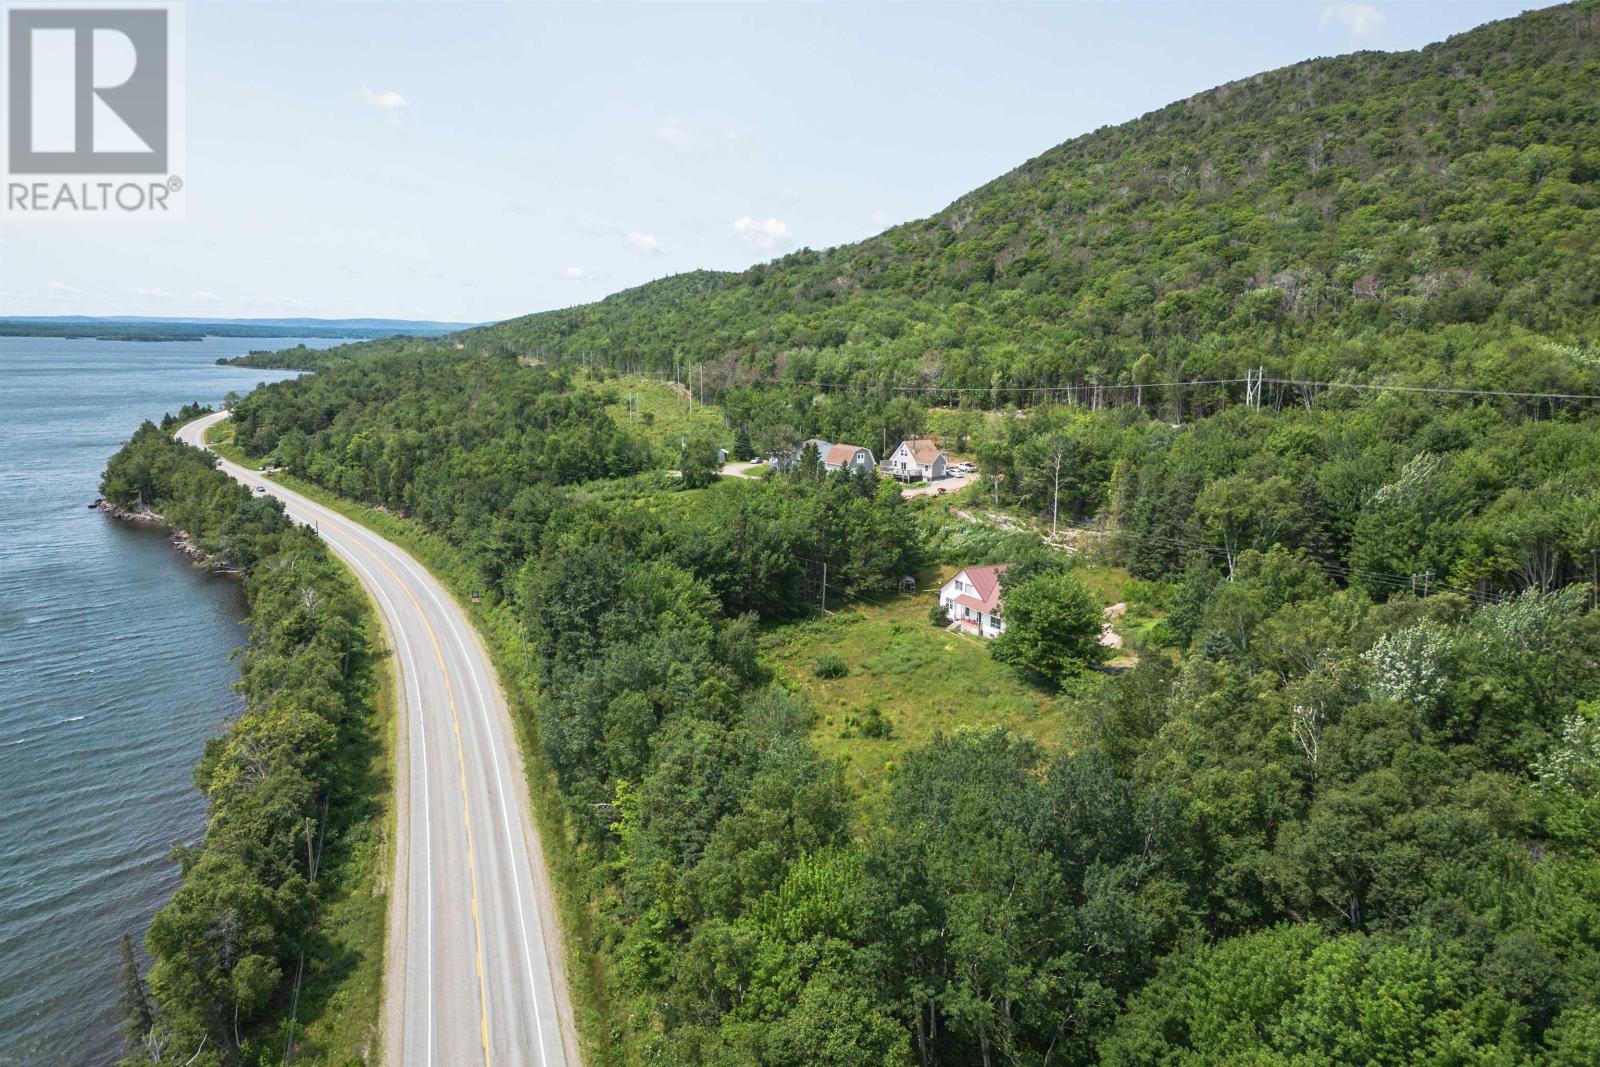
(114, 669)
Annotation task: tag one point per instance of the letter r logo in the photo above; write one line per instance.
(87, 90)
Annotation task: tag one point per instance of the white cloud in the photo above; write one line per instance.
(638, 240)
(763, 234)
(391, 103)
(684, 138)
(644, 242)
(157, 294)
(1359, 20)
(676, 135)
(203, 297)
(64, 288)
(581, 274)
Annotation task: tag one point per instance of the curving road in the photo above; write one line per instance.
(474, 968)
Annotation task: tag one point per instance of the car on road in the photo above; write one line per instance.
(261, 489)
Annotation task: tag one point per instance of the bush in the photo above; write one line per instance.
(1052, 627)
(830, 665)
(876, 726)
(938, 616)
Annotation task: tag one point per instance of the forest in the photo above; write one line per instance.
(1346, 806)
(1333, 815)
(1422, 217)
(282, 886)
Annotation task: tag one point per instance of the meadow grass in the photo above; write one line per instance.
(920, 679)
(660, 412)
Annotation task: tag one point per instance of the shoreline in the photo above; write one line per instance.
(180, 538)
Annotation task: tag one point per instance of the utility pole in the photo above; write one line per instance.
(824, 587)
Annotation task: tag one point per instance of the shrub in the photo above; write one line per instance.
(830, 665)
(876, 725)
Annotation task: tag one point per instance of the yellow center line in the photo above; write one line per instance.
(466, 809)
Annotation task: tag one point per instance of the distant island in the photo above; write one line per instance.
(141, 328)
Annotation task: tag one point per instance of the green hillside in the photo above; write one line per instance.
(1341, 802)
(1422, 214)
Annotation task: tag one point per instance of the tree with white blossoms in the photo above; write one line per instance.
(1409, 666)
(1315, 702)
(1574, 761)
(1569, 774)
(1530, 621)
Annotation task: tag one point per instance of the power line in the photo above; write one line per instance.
(772, 379)
(1393, 581)
(1252, 380)
(1451, 390)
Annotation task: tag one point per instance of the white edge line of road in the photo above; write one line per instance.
(556, 957)
(395, 949)
(453, 613)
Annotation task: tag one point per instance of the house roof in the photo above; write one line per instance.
(986, 580)
(922, 449)
(971, 602)
(841, 455)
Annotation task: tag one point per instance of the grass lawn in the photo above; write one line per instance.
(921, 679)
(660, 411)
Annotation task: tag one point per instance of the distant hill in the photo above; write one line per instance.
(148, 328)
(1430, 216)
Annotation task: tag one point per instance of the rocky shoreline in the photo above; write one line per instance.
(181, 540)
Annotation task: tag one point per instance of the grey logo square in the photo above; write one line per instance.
(87, 91)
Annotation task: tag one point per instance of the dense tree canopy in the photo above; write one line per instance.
(1419, 215)
(291, 767)
(1344, 807)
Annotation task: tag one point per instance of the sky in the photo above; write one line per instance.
(474, 161)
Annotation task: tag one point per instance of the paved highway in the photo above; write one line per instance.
(474, 969)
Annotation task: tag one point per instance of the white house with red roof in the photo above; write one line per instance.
(972, 600)
(917, 457)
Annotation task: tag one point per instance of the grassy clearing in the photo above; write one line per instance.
(968, 527)
(660, 411)
(919, 679)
